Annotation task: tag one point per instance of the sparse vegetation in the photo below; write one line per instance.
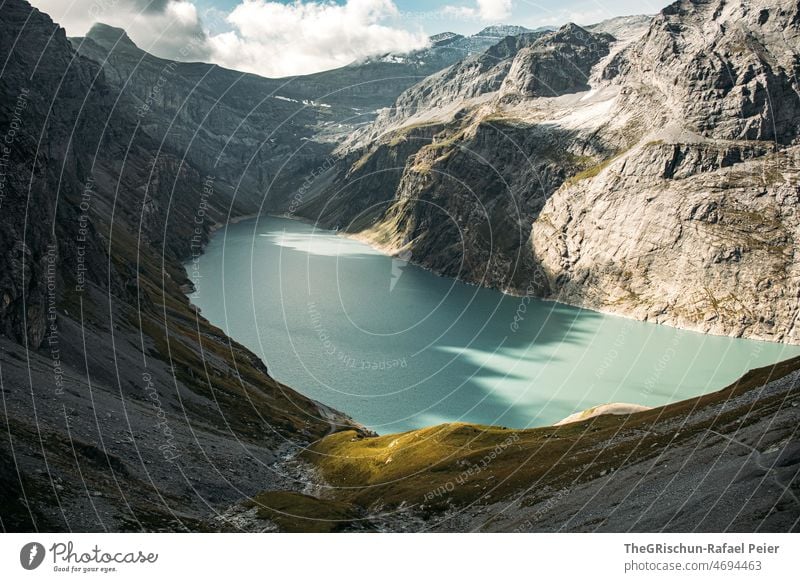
(403, 133)
(445, 466)
(298, 513)
(592, 171)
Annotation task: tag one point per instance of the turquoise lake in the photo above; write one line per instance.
(399, 348)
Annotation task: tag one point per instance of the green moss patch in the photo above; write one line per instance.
(298, 513)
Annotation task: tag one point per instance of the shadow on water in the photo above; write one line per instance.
(397, 347)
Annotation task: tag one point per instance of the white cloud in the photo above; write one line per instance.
(167, 28)
(259, 36)
(494, 9)
(276, 39)
(488, 10)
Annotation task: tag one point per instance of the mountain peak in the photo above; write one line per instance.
(108, 36)
(445, 39)
(571, 26)
(502, 30)
(443, 36)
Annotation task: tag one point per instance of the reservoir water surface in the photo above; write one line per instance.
(397, 347)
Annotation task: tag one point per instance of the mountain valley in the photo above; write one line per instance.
(644, 166)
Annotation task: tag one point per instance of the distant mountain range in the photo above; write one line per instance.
(448, 47)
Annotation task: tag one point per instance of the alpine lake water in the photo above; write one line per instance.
(397, 347)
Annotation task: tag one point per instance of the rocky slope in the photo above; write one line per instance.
(652, 175)
(623, 27)
(123, 409)
(506, 63)
(695, 222)
(458, 169)
(249, 132)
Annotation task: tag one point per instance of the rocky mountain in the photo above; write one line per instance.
(557, 65)
(499, 31)
(709, 171)
(652, 174)
(452, 175)
(248, 131)
(650, 171)
(448, 48)
(123, 408)
(262, 136)
(375, 82)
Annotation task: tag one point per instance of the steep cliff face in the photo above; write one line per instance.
(696, 225)
(658, 179)
(694, 235)
(39, 150)
(725, 70)
(124, 409)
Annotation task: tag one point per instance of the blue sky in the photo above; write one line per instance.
(278, 38)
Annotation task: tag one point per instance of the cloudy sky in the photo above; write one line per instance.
(289, 37)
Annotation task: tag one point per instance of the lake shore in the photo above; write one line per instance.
(508, 361)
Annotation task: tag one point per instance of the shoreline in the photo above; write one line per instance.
(603, 409)
(389, 252)
(235, 220)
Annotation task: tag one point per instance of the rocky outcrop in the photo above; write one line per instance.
(726, 70)
(696, 225)
(557, 64)
(698, 236)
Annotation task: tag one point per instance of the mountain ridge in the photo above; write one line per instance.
(645, 112)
